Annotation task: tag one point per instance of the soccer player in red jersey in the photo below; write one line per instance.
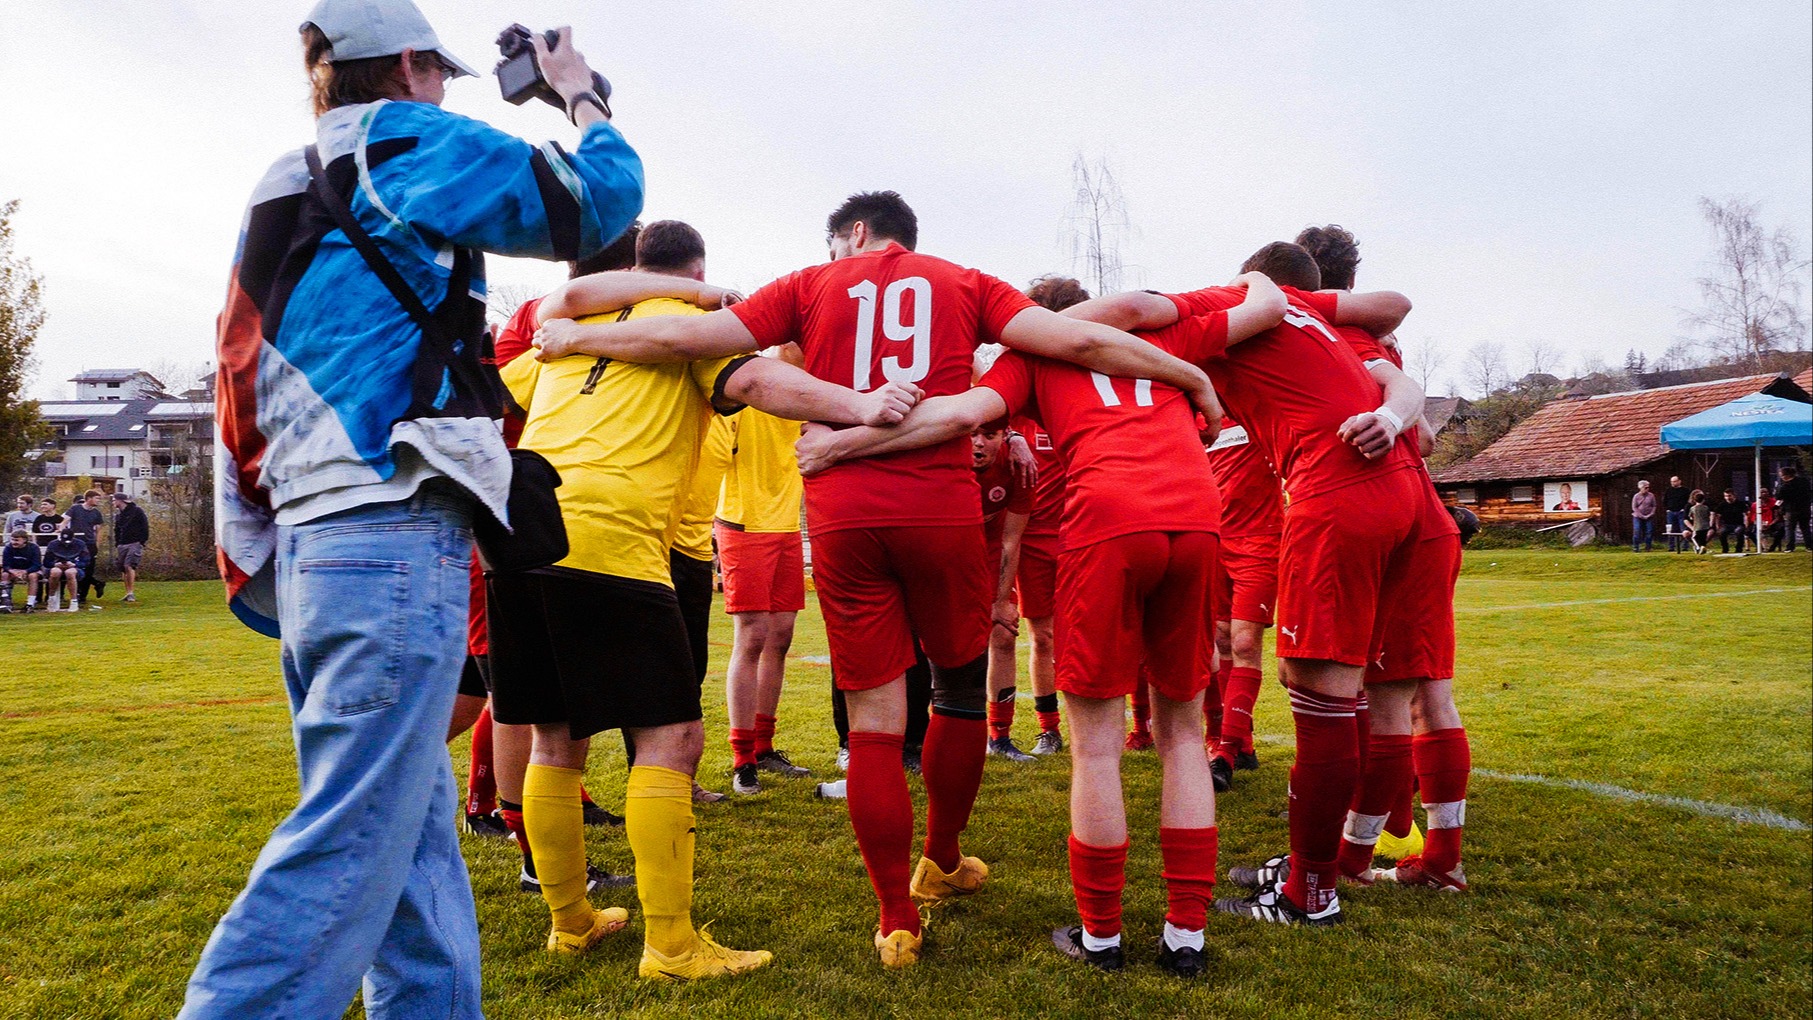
(1415, 732)
(897, 542)
(1353, 522)
(1006, 504)
(1251, 521)
(1138, 552)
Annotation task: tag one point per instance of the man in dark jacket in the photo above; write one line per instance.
(1674, 507)
(131, 530)
(1796, 498)
(1729, 513)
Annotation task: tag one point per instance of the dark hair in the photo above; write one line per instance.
(668, 244)
(1056, 292)
(334, 83)
(619, 254)
(1790, 470)
(1287, 264)
(886, 213)
(1335, 252)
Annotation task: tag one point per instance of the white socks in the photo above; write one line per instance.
(1095, 945)
(1177, 938)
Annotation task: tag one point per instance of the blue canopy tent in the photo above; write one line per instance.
(1756, 421)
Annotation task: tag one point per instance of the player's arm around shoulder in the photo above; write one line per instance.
(785, 391)
(1105, 349)
(598, 293)
(657, 339)
(931, 422)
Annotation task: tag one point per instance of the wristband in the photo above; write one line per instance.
(588, 96)
(1385, 412)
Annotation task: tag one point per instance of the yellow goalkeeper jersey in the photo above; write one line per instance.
(762, 486)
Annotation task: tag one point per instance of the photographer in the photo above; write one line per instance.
(355, 450)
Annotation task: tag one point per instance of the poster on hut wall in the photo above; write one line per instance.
(1564, 497)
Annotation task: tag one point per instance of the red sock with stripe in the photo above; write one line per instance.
(1097, 876)
(1001, 714)
(1189, 858)
(764, 734)
(1238, 699)
(881, 812)
(1443, 760)
(1385, 779)
(1321, 786)
(742, 747)
(481, 782)
(952, 767)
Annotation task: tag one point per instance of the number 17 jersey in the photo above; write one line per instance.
(882, 316)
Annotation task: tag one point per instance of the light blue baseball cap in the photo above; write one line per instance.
(357, 29)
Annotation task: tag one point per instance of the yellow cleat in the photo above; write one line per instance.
(932, 885)
(706, 959)
(1397, 848)
(604, 922)
(899, 948)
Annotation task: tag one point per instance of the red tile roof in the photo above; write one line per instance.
(1598, 435)
(1805, 380)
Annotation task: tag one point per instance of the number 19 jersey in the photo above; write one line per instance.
(881, 316)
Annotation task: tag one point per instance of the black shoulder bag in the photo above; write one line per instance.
(539, 534)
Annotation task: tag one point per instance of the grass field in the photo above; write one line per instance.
(146, 751)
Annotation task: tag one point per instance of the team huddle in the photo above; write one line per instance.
(1144, 481)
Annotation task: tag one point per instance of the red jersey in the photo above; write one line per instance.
(511, 341)
(1048, 491)
(880, 316)
(1370, 349)
(1132, 455)
(1251, 496)
(1293, 386)
(1001, 491)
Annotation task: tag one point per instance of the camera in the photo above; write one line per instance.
(519, 77)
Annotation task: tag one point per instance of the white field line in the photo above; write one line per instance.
(1704, 808)
(1633, 598)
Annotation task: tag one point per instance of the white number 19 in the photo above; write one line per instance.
(919, 331)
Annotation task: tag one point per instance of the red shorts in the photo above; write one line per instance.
(1037, 581)
(1132, 600)
(879, 588)
(764, 572)
(1249, 577)
(1341, 551)
(1413, 638)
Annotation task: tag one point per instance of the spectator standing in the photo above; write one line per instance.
(20, 561)
(85, 522)
(1643, 518)
(1699, 519)
(20, 517)
(1674, 507)
(1795, 505)
(363, 882)
(45, 526)
(1730, 513)
(131, 530)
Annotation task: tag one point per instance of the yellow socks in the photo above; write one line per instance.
(658, 821)
(555, 823)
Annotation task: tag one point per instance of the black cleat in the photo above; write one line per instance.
(1269, 875)
(490, 826)
(1003, 747)
(911, 757)
(1183, 963)
(1069, 941)
(595, 815)
(1246, 761)
(1273, 907)
(745, 780)
(778, 763)
(595, 878)
(1221, 773)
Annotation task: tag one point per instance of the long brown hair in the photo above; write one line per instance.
(350, 82)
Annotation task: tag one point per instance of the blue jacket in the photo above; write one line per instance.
(24, 558)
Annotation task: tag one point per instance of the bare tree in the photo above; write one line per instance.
(1098, 225)
(1542, 356)
(1485, 367)
(1753, 294)
(505, 298)
(1422, 359)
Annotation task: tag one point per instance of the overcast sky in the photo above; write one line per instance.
(1525, 172)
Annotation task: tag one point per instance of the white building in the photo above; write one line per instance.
(124, 429)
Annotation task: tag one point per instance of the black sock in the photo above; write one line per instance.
(1044, 703)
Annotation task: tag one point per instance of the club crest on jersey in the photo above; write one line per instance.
(998, 494)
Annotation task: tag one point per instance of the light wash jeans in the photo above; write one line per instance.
(364, 880)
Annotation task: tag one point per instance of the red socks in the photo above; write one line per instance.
(1443, 760)
(764, 733)
(1142, 706)
(1321, 784)
(952, 767)
(1238, 699)
(742, 747)
(1384, 780)
(512, 816)
(1001, 715)
(881, 812)
(1097, 875)
(1046, 706)
(1402, 813)
(1189, 856)
(481, 783)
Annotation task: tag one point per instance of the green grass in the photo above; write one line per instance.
(146, 753)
